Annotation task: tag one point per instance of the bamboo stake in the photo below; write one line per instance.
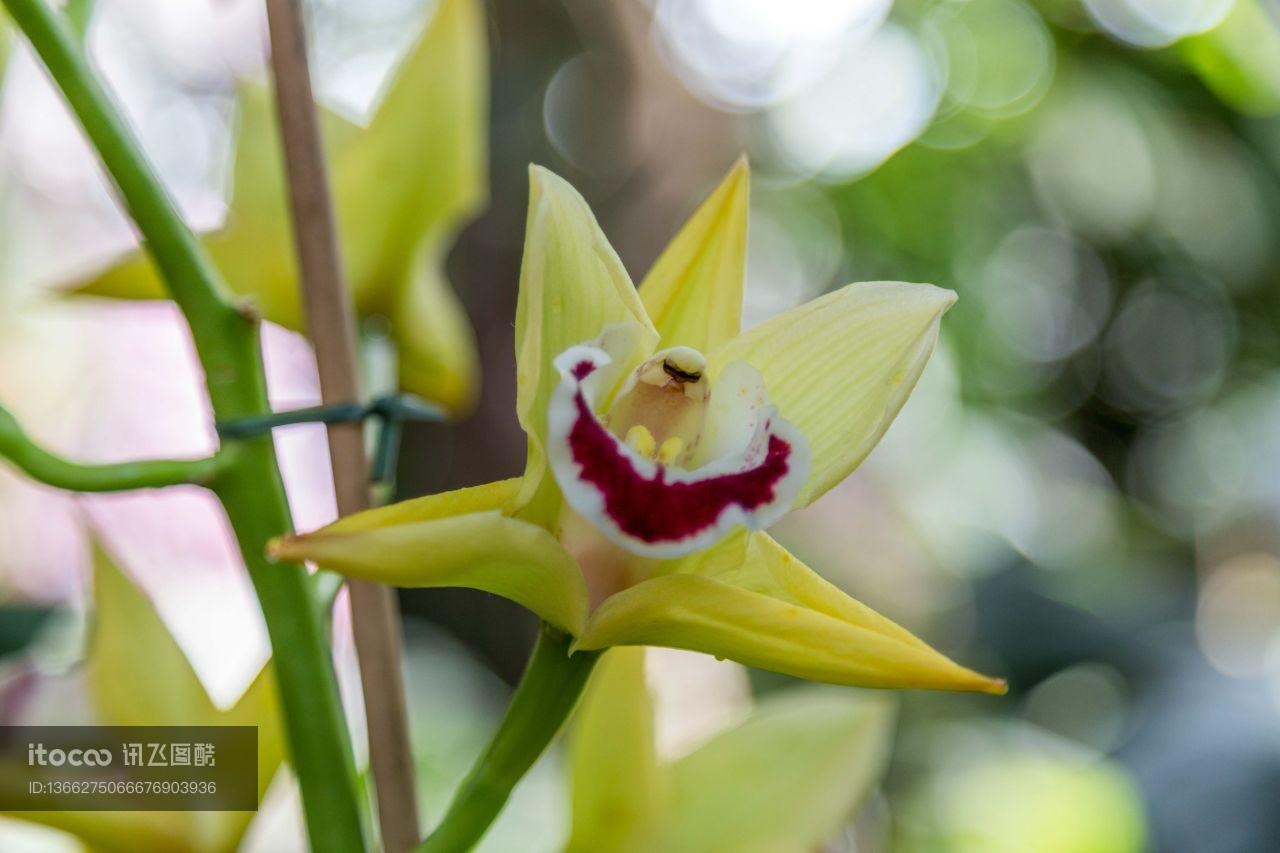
(331, 325)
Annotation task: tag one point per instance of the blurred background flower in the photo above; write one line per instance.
(1083, 494)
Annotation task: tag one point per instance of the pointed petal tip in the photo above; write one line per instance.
(929, 298)
(551, 195)
(942, 297)
(995, 686)
(913, 293)
(948, 297)
(282, 548)
(951, 677)
(541, 176)
(976, 682)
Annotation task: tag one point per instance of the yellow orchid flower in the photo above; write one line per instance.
(402, 187)
(660, 442)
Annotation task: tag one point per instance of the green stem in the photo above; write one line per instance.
(53, 470)
(226, 339)
(547, 693)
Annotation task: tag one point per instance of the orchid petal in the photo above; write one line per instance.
(616, 777)
(402, 187)
(572, 286)
(840, 367)
(458, 538)
(799, 626)
(694, 290)
(420, 168)
(785, 779)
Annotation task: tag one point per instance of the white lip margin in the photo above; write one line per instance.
(589, 502)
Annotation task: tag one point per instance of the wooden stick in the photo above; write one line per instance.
(330, 322)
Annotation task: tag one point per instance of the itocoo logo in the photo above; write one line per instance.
(37, 755)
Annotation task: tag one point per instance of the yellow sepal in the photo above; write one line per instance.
(459, 538)
(694, 290)
(754, 603)
(421, 167)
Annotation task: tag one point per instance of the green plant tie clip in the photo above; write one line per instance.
(390, 410)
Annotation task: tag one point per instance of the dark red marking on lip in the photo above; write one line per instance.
(653, 509)
(583, 369)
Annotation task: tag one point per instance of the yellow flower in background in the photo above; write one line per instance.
(402, 187)
(660, 442)
(784, 779)
(137, 675)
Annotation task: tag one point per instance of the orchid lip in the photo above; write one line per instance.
(632, 491)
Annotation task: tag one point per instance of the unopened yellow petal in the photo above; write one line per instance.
(458, 538)
(572, 286)
(402, 187)
(617, 783)
(785, 779)
(436, 344)
(840, 367)
(693, 612)
(421, 167)
(694, 290)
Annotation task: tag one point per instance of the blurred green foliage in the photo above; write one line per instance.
(20, 624)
